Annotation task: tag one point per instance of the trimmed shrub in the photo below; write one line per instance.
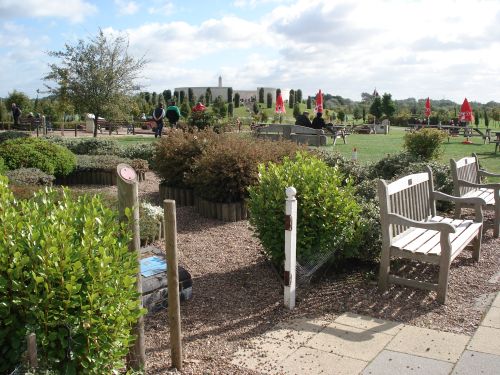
(425, 143)
(12, 134)
(175, 153)
(3, 167)
(37, 153)
(144, 151)
(392, 165)
(229, 166)
(107, 163)
(92, 146)
(67, 275)
(327, 210)
(30, 176)
(350, 168)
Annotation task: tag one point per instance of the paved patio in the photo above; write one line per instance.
(355, 344)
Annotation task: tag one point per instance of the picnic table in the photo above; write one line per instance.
(456, 130)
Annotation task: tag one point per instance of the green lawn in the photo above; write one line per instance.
(372, 147)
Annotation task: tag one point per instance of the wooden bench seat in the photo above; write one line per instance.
(411, 229)
(467, 183)
(296, 133)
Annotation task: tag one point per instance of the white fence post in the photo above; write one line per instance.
(290, 246)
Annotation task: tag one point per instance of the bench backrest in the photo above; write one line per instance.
(410, 196)
(464, 169)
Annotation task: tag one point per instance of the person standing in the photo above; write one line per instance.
(158, 116)
(173, 114)
(16, 113)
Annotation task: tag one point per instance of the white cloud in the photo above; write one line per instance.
(162, 8)
(74, 10)
(126, 8)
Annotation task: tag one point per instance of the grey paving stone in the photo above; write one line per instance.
(477, 363)
(492, 318)
(496, 302)
(369, 323)
(389, 362)
(486, 340)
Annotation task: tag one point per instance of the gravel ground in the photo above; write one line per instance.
(237, 295)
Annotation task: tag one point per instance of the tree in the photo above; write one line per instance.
(261, 95)
(21, 99)
(309, 102)
(296, 110)
(97, 75)
(269, 100)
(255, 108)
(364, 115)
(237, 100)
(167, 95)
(388, 106)
(176, 96)
(291, 98)
(476, 117)
(154, 98)
(208, 96)
(376, 108)
(190, 96)
(219, 107)
(147, 97)
(230, 109)
(185, 110)
(229, 94)
(298, 96)
(183, 96)
(341, 115)
(356, 113)
(486, 119)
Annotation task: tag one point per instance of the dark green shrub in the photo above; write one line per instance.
(425, 143)
(107, 163)
(229, 166)
(392, 165)
(37, 153)
(142, 151)
(175, 153)
(350, 168)
(67, 275)
(327, 209)
(93, 146)
(202, 119)
(12, 134)
(29, 176)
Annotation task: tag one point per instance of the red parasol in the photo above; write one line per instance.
(466, 112)
(280, 107)
(319, 102)
(199, 107)
(427, 107)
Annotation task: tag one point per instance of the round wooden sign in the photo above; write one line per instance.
(127, 173)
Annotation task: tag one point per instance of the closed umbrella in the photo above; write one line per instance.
(280, 107)
(428, 109)
(319, 102)
(466, 116)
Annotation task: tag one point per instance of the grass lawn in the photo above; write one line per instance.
(372, 147)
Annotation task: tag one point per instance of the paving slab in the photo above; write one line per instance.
(389, 362)
(429, 343)
(350, 341)
(496, 301)
(477, 363)
(369, 323)
(264, 355)
(492, 318)
(297, 331)
(317, 362)
(486, 340)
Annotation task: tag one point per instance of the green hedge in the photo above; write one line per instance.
(37, 153)
(3, 167)
(425, 143)
(12, 134)
(107, 163)
(30, 176)
(67, 275)
(327, 209)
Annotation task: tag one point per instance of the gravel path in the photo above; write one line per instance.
(237, 295)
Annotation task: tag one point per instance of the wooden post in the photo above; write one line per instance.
(128, 197)
(32, 351)
(290, 246)
(174, 310)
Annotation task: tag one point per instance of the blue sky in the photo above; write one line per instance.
(446, 49)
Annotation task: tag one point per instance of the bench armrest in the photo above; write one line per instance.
(484, 173)
(493, 186)
(476, 201)
(429, 225)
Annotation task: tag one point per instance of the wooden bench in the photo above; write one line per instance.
(296, 133)
(467, 183)
(338, 132)
(411, 229)
(496, 142)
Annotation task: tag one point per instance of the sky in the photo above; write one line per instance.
(443, 49)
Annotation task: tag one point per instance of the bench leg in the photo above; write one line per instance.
(496, 220)
(385, 268)
(345, 139)
(444, 271)
(458, 210)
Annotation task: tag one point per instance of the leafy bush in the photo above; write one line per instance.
(12, 134)
(327, 209)
(3, 167)
(37, 153)
(107, 163)
(425, 143)
(67, 275)
(202, 119)
(90, 146)
(175, 153)
(144, 151)
(350, 168)
(30, 176)
(392, 165)
(229, 166)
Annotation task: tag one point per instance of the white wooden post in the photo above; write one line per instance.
(290, 246)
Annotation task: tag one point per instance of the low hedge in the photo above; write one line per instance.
(37, 153)
(67, 275)
(3, 167)
(12, 134)
(107, 163)
(30, 176)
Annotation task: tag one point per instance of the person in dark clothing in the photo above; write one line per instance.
(318, 121)
(16, 113)
(303, 120)
(173, 114)
(158, 116)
